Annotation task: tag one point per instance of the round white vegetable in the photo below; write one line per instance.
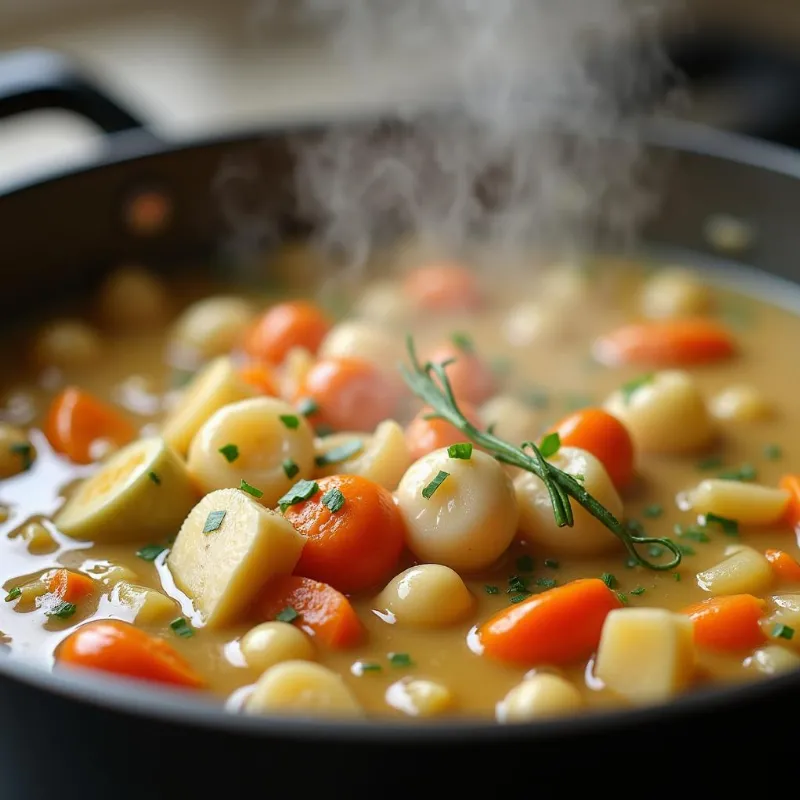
(675, 292)
(67, 344)
(210, 327)
(273, 448)
(588, 536)
(471, 518)
(302, 687)
(512, 419)
(364, 340)
(383, 302)
(664, 415)
(540, 696)
(742, 403)
(426, 596)
(418, 697)
(271, 643)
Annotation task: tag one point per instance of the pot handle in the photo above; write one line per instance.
(34, 79)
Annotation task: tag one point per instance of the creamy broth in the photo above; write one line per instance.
(553, 374)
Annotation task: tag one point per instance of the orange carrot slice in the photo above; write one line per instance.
(120, 648)
(783, 565)
(665, 343)
(729, 623)
(261, 378)
(70, 586)
(76, 420)
(556, 627)
(321, 611)
(443, 287)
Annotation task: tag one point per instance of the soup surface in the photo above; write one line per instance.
(242, 495)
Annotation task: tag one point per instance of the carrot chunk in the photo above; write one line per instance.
(423, 435)
(120, 648)
(443, 287)
(77, 419)
(728, 623)
(556, 627)
(321, 611)
(70, 586)
(783, 565)
(666, 343)
(605, 437)
(791, 483)
(261, 378)
(284, 327)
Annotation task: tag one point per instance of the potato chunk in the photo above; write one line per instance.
(227, 549)
(746, 571)
(747, 503)
(646, 655)
(147, 606)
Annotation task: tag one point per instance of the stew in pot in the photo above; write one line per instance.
(457, 497)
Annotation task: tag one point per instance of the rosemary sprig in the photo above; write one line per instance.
(430, 383)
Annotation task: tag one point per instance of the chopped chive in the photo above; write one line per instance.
(728, 526)
(525, 564)
(182, 628)
(290, 421)
(747, 472)
(463, 342)
(546, 583)
(338, 454)
(230, 452)
(550, 445)
(13, 594)
(463, 451)
(153, 477)
(655, 550)
(213, 521)
(551, 562)
(609, 580)
(653, 511)
(518, 598)
(692, 532)
(290, 469)
(516, 583)
(772, 452)
(637, 591)
(307, 406)
(629, 389)
(400, 660)
(302, 490)
(364, 666)
(288, 614)
(492, 589)
(333, 499)
(431, 488)
(676, 576)
(623, 598)
(63, 610)
(686, 549)
(251, 490)
(712, 462)
(150, 552)
(25, 451)
(781, 631)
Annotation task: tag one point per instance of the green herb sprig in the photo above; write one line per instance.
(429, 382)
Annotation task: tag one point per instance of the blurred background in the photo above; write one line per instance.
(194, 66)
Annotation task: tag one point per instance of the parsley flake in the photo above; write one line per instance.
(182, 628)
(150, 552)
(290, 468)
(251, 490)
(333, 499)
(550, 445)
(13, 594)
(463, 342)
(609, 580)
(153, 477)
(301, 491)
(288, 614)
(781, 631)
(463, 451)
(230, 452)
(63, 610)
(400, 660)
(431, 488)
(307, 406)
(290, 421)
(214, 521)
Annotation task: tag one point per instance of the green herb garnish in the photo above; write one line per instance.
(13, 594)
(623, 598)
(518, 598)
(431, 488)
(692, 532)
(25, 451)
(429, 382)
(728, 526)
(461, 451)
(551, 562)
(609, 580)
(290, 421)
(230, 452)
(288, 614)
(251, 490)
(492, 589)
(63, 610)
(546, 583)
(150, 552)
(637, 591)
(712, 462)
(463, 342)
(653, 511)
(772, 452)
(677, 576)
(180, 627)
(400, 660)
(747, 472)
(781, 631)
(550, 445)
(365, 666)
(338, 454)
(333, 499)
(629, 389)
(302, 490)
(213, 521)
(307, 406)
(290, 469)
(153, 477)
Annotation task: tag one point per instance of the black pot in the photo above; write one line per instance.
(100, 738)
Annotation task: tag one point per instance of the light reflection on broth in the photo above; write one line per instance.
(551, 373)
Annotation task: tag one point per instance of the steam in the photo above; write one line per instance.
(519, 124)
